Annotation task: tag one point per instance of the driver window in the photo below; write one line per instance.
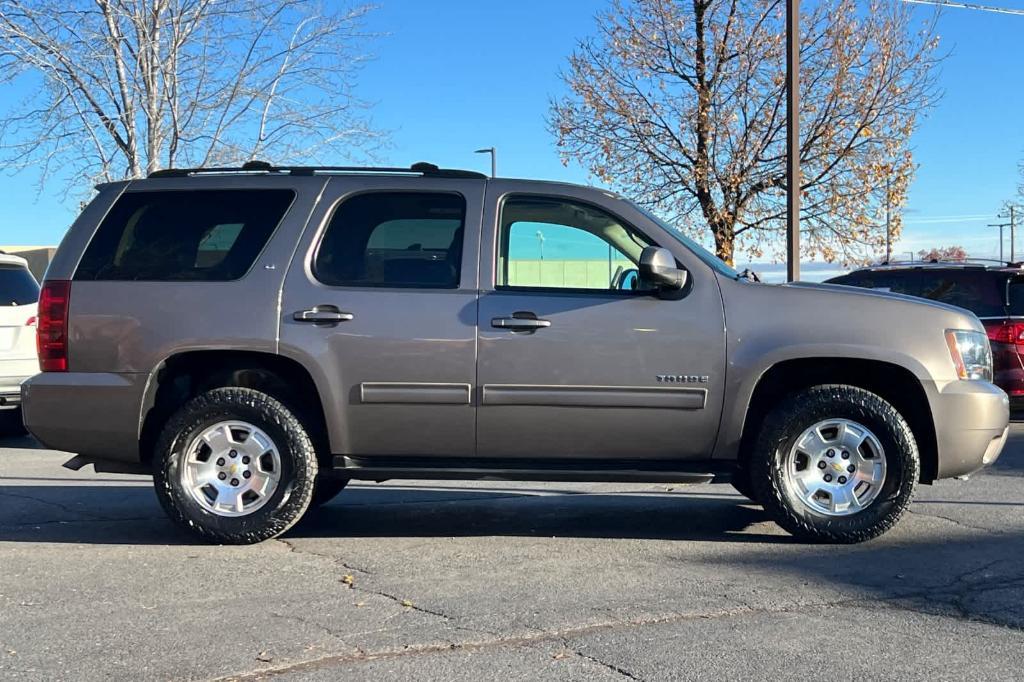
(559, 244)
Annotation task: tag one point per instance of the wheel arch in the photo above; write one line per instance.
(185, 375)
(894, 383)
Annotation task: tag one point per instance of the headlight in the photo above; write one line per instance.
(971, 354)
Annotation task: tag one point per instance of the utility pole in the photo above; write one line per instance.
(1012, 224)
(1000, 226)
(1013, 228)
(793, 140)
(494, 159)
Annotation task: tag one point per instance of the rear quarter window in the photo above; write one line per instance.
(17, 286)
(186, 235)
(1015, 296)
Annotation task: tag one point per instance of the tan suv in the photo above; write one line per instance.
(257, 337)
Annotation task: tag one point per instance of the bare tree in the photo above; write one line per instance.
(680, 104)
(126, 87)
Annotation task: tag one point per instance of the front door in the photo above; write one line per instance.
(578, 358)
(380, 304)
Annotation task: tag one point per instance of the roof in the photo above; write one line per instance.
(970, 263)
(422, 169)
(8, 259)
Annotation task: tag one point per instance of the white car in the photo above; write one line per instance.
(19, 295)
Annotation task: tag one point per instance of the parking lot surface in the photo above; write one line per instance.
(505, 581)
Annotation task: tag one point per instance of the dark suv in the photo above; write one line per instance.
(992, 290)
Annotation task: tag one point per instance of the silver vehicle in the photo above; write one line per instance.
(18, 295)
(257, 337)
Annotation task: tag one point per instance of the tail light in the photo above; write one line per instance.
(1006, 331)
(52, 325)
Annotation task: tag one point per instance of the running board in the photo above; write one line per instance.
(364, 470)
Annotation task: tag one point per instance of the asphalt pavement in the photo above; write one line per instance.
(505, 581)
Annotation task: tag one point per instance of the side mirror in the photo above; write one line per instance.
(658, 266)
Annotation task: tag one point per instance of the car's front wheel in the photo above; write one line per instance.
(326, 489)
(835, 463)
(236, 466)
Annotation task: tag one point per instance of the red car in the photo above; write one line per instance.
(992, 290)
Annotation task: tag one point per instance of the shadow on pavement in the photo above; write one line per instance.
(130, 514)
(968, 575)
(22, 443)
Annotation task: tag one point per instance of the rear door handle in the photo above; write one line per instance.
(322, 314)
(521, 321)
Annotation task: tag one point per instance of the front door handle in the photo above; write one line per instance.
(520, 322)
(322, 314)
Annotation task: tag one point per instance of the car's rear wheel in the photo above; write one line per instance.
(11, 423)
(235, 465)
(835, 463)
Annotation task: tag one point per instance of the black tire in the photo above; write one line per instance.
(283, 508)
(326, 489)
(11, 424)
(743, 485)
(800, 411)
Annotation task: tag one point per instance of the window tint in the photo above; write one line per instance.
(979, 291)
(894, 281)
(17, 286)
(196, 235)
(1015, 295)
(557, 244)
(392, 239)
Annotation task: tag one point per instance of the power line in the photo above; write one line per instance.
(968, 5)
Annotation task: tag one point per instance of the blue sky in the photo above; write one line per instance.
(451, 76)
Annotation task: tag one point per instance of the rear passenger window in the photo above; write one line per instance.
(394, 239)
(194, 235)
(978, 291)
(893, 281)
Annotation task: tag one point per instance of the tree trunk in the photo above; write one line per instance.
(725, 240)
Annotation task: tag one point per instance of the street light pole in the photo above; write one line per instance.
(793, 140)
(494, 159)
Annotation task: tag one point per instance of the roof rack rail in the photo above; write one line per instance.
(977, 262)
(263, 168)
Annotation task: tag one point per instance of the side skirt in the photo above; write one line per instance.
(384, 468)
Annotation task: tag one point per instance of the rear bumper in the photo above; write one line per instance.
(971, 425)
(92, 414)
(10, 391)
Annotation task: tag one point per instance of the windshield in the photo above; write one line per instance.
(713, 261)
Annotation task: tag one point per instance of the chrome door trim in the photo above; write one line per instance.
(672, 398)
(396, 392)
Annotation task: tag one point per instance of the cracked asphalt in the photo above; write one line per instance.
(505, 581)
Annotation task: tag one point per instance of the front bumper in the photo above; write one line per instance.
(971, 425)
(92, 414)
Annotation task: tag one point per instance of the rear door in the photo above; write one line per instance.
(380, 304)
(610, 371)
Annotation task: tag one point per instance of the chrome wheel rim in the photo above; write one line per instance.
(231, 468)
(835, 468)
